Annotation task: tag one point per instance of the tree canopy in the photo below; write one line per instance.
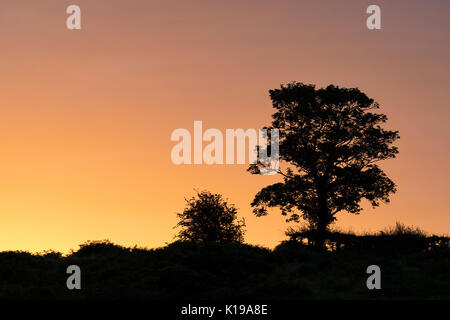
(331, 142)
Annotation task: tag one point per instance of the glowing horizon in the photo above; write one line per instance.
(86, 115)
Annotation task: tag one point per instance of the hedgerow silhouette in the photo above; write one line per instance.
(206, 270)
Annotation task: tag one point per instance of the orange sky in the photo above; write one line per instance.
(86, 116)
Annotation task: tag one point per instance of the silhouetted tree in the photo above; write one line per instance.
(209, 218)
(330, 142)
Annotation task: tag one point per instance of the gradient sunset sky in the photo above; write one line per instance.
(86, 116)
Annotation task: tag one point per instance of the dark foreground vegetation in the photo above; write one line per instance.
(413, 266)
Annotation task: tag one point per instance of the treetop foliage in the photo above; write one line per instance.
(331, 141)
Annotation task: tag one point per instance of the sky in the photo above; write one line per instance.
(86, 115)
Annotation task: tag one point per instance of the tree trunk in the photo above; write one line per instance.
(321, 234)
(323, 218)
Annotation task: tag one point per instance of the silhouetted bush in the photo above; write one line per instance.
(209, 218)
(99, 247)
